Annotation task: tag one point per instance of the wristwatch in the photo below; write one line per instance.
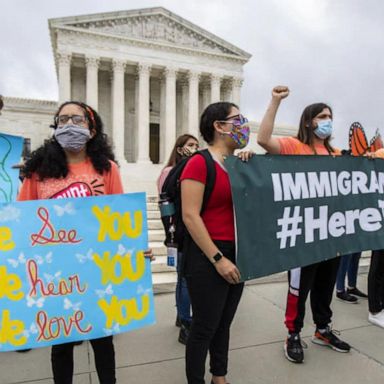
(217, 257)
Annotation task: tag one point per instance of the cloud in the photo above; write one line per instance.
(9, 213)
(324, 50)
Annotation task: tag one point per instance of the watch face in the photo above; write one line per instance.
(217, 257)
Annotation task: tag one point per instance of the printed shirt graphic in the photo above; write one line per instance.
(81, 181)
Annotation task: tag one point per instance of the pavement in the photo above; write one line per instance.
(153, 355)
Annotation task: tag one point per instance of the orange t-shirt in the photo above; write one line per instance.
(380, 153)
(293, 146)
(82, 181)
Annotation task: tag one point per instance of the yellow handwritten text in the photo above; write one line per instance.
(123, 311)
(6, 242)
(10, 285)
(116, 224)
(11, 329)
(119, 267)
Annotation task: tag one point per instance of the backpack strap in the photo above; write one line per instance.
(211, 177)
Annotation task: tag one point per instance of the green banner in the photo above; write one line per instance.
(293, 211)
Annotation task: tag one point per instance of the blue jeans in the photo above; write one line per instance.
(349, 264)
(183, 303)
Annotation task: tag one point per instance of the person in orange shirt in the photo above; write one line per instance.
(313, 138)
(76, 162)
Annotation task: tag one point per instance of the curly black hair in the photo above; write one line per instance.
(49, 160)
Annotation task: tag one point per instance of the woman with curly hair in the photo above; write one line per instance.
(76, 162)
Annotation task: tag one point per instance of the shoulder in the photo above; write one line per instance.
(195, 168)
(290, 145)
(114, 167)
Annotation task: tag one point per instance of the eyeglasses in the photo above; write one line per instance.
(236, 121)
(76, 119)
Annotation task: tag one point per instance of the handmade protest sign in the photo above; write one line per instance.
(294, 211)
(73, 269)
(10, 153)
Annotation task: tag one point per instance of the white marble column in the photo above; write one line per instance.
(163, 154)
(236, 90)
(193, 104)
(215, 88)
(92, 89)
(64, 63)
(118, 109)
(184, 104)
(142, 111)
(206, 96)
(227, 91)
(170, 110)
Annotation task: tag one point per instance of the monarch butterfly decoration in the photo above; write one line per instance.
(358, 143)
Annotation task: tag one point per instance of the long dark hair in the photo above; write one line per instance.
(214, 112)
(175, 156)
(306, 128)
(49, 160)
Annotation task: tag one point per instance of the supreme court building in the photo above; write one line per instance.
(148, 72)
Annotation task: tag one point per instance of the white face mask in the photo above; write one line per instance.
(72, 137)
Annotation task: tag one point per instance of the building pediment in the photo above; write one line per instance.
(155, 25)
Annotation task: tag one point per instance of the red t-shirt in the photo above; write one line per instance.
(218, 215)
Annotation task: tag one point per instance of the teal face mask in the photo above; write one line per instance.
(324, 129)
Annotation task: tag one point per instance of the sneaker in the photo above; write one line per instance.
(293, 348)
(328, 338)
(356, 292)
(377, 318)
(346, 297)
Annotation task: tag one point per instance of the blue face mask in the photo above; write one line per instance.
(324, 129)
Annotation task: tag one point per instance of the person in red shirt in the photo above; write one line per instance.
(76, 162)
(313, 138)
(210, 253)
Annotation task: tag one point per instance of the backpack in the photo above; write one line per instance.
(170, 199)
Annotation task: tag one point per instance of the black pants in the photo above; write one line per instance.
(376, 282)
(320, 279)
(62, 361)
(214, 303)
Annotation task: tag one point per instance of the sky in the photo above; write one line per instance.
(325, 51)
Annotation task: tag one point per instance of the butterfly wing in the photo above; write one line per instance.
(358, 143)
(376, 142)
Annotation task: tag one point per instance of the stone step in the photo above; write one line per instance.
(158, 247)
(152, 207)
(156, 235)
(153, 215)
(155, 225)
(152, 199)
(164, 282)
(161, 267)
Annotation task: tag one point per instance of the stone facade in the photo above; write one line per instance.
(148, 72)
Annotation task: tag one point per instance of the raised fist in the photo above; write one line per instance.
(280, 92)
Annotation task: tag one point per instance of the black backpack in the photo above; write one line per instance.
(170, 199)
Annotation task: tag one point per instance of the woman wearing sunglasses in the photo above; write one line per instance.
(313, 138)
(76, 162)
(210, 264)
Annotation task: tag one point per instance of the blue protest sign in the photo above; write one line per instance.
(73, 269)
(10, 154)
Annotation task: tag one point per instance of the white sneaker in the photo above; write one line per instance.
(377, 319)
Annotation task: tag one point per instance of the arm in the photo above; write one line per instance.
(113, 180)
(192, 193)
(264, 136)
